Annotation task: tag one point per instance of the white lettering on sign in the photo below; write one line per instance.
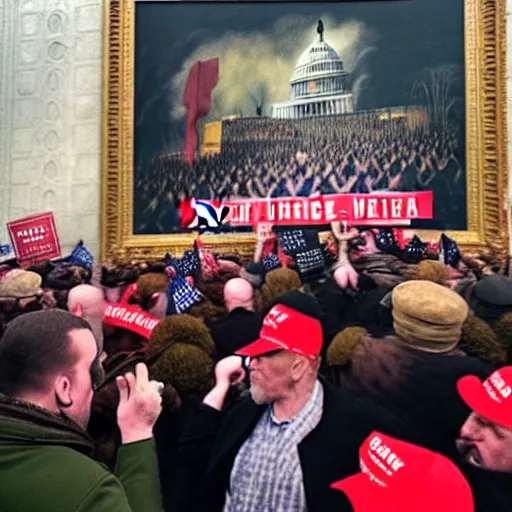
(316, 210)
(329, 211)
(284, 209)
(396, 208)
(131, 317)
(372, 209)
(359, 208)
(297, 209)
(271, 211)
(412, 208)
(385, 213)
(385, 208)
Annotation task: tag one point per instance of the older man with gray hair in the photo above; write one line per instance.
(282, 447)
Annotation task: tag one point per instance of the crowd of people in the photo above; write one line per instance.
(352, 376)
(262, 157)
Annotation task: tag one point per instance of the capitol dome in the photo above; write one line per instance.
(318, 59)
(318, 84)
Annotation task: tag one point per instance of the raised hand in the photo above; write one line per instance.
(228, 372)
(140, 404)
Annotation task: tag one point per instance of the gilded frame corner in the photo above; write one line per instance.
(486, 141)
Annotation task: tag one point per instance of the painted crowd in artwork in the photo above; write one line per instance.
(312, 99)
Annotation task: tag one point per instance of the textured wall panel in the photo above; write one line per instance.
(50, 114)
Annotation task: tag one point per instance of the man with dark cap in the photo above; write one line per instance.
(282, 447)
(491, 298)
(485, 442)
(48, 372)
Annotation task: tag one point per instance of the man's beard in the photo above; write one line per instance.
(258, 395)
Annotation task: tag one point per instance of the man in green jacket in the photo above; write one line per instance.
(49, 367)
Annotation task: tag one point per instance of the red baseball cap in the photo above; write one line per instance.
(491, 399)
(285, 328)
(400, 477)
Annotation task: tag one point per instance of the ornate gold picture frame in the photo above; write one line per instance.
(486, 136)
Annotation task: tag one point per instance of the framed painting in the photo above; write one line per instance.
(305, 98)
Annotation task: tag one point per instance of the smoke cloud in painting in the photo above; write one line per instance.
(255, 68)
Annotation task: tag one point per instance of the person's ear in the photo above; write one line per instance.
(78, 310)
(63, 391)
(299, 367)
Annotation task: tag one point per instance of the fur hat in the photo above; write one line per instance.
(428, 270)
(65, 276)
(344, 345)
(428, 316)
(188, 368)
(20, 284)
(479, 340)
(181, 354)
(149, 284)
(279, 281)
(503, 329)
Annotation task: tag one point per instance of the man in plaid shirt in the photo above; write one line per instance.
(280, 449)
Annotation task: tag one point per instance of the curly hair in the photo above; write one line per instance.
(345, 345)
(188, 368)
(180, 329)
(277, 283)
(479, 340)
(149, 284)
(427, 270)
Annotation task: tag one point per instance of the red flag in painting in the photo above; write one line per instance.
(201, 81)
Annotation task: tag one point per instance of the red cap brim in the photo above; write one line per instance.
(472, 391)
(258, 348)
(367, 496)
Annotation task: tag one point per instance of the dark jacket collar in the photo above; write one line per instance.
(25, 423)
(328, 453)
(492, 490)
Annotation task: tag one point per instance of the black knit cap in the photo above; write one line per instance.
(305, 304)
(491, 297)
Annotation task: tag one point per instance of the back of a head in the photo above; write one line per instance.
(34, 347)
(90, 298)
(238, 293)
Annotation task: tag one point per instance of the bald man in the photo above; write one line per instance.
(89, 303)
(242, 325)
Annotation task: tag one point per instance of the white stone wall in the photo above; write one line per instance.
(50, 114)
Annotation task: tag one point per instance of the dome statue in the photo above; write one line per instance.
(318, 75)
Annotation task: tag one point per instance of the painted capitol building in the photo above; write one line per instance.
(318, 84)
